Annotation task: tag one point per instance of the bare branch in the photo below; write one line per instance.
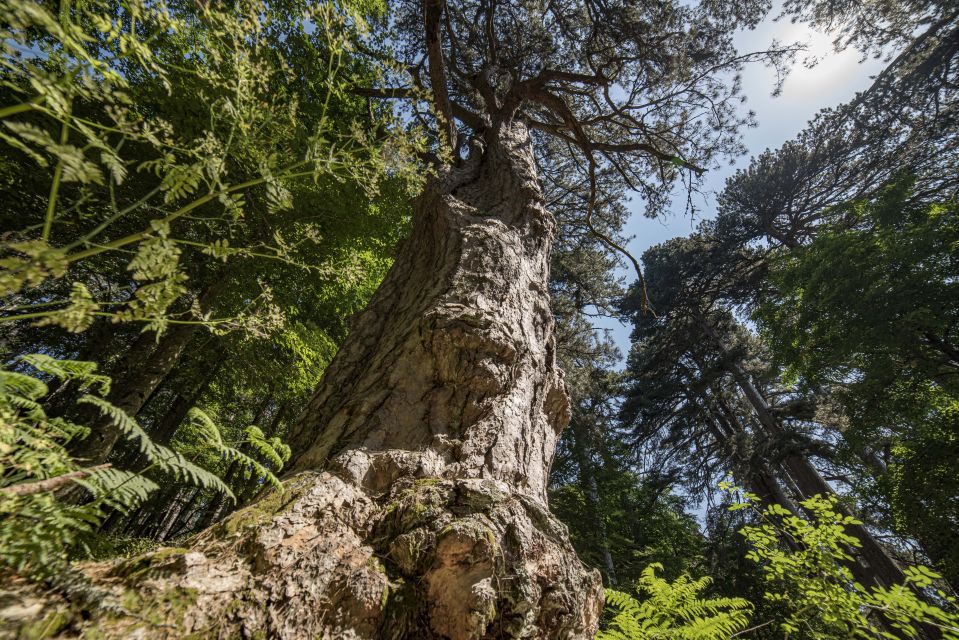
(432, 12)
(49, 484)
(387, 92)
(644, 305)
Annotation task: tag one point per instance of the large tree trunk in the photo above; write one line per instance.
(418, 505)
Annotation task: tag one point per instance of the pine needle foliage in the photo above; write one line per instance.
(673, 610)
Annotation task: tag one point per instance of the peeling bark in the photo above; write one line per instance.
(416, 502)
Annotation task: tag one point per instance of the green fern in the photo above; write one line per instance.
(118, 489)
(83, 373)
(208, 430)
(160, 457)
(39, 532)
(36, 529)
(673, 610)
(272, 449)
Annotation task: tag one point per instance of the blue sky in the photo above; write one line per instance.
(834, 80)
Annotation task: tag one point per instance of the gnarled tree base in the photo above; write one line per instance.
(436, 424)
(396, 553)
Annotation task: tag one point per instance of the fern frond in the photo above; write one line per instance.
(22, 385)
(119, 489)
(207, 428)
(66, 429)
(82, 372)
(163, 458)
(673, 610)
(27, 407)
(282, 449)
(267, 448)
(173, 462)
(622, 601)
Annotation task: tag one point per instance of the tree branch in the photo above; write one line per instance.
(50, 484)
(386, 92)
(570, 123)
(644, 305)
(651, 150)
(432, 11)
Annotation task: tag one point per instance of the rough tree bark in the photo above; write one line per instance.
(417, 502)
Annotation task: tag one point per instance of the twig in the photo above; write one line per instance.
(50, 484)
(644, 304)
(55, 186)
(758, 626)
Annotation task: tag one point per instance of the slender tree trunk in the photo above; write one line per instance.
(219, 504)
(417, 505)
(587, 478)
(181, 514)
(760, 479)
(260, 414)
(592, 496)
(765, 484)
(145, 374)
(881, 569)
(874, 566)
(146, 366)
(877, 567)
(174, 507)
(148, 519)
(166, 427)
(274, 426)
